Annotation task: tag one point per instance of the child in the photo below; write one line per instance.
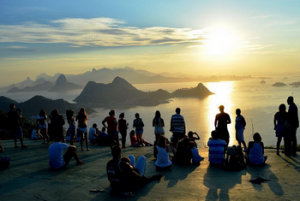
(255, 152)
(93, 135)
(103, 137)
(235, 159)
(35, 135)
(196, 158)
(134, 140)
(163, 161)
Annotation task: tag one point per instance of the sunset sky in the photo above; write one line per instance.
(197, 37)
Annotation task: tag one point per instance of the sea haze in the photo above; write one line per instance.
(258, 102)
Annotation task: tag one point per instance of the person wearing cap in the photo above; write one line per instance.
(221, 121)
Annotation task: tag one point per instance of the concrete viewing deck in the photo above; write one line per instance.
(30, 178)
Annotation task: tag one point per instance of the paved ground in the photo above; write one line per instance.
(29, 178)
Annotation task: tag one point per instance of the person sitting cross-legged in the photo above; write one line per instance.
(56, 158)
(216, 149)
(125, 177)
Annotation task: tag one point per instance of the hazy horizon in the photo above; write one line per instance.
(191, 37)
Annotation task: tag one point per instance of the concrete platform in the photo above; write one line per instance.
(30, 178)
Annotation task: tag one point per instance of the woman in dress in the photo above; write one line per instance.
(279, 118)
(82, 118)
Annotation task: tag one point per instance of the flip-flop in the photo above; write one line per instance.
(97, 190)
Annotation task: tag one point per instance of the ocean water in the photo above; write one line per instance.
(258, 102)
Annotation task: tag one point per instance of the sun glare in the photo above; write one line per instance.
(220, 41)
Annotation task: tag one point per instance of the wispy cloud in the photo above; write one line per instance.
(16, 48)
(262, 16)
(96, 32)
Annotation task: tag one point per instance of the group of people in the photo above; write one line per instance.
(124, 174)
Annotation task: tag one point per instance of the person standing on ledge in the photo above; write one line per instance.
(177, 127)
(221, 121)
(240, 124)
(112, 128)
(15, 117)
(293, 121)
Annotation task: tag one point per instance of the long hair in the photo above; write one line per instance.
(42, 113)
(282, 108)
(157, 117)
(82, 111)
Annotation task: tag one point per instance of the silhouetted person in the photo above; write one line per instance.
(138, 124)
(294, 124)
(240, 124)
(112, 131)
(57, 122)
(279, 119)
(126, 177)
(15, 116)
(177, 126)
(56, 158)
(72, 125)
(82, 128)
(255, 151)
(41, 120)
(221, 121)
(123, 126)
(216, 149)
(158, 124)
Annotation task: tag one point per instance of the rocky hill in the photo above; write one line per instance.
(62, 85)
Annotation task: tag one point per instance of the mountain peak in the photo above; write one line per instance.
(61, 79)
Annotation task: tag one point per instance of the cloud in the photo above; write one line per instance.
(96, 32)
(16, 48)
(262, 16)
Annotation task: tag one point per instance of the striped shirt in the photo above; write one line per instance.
(216, 151)
(177, 123)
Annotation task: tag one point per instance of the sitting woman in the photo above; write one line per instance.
(255, 152)
(134, 140)
(163, 161)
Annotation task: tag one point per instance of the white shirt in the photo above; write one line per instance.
(56, 159)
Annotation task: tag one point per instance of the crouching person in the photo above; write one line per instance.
(126, 177)
(56, 158)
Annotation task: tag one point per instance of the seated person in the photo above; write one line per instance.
(36, 134)
(56, 158)
(123, 177)
(196, 158)
(103, 138)
(255, 151)
(216, 149)
(4, 162)
(134, 142)
(183, 154)
(163, 161)
(93, 135)
(235, 159)
(193, 136)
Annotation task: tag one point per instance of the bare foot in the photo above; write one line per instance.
(88, 149)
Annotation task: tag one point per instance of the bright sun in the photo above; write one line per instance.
(220, 42)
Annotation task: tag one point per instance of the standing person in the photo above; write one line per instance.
(177, 127)
(41, 120)
(240, 124)
(56, 158)
(279, 119)
(221, 121)
(57, 122)
(293, 124)
(15, 116)
(72, 125)
(138, 124)
(216, 149)
(112, 129)
(158, 124)
(82, 132)
(123, 126)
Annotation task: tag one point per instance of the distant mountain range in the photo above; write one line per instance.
(32, 106)
(41, 84)
(122, 93)
(134, 76)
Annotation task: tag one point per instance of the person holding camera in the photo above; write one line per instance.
(15, 116)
